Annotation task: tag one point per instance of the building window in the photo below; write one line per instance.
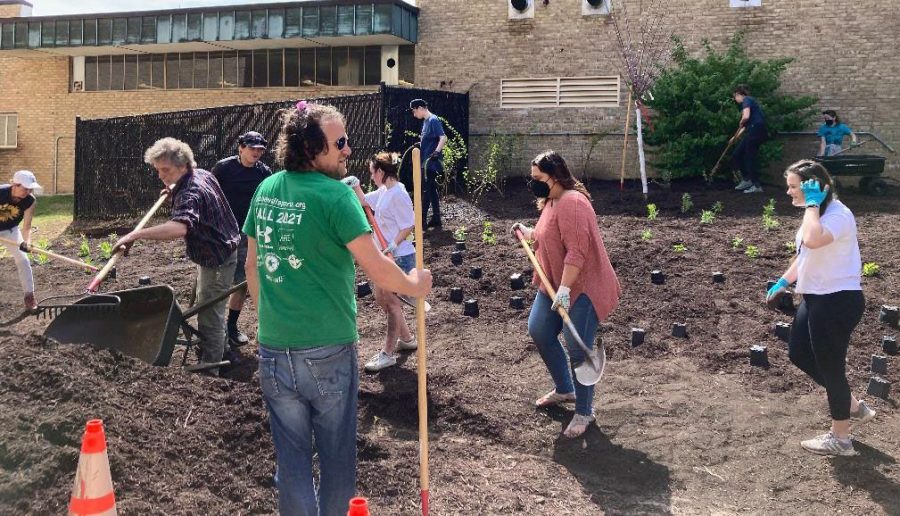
(553, 92)
(9, 130)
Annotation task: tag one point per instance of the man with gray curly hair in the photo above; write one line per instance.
(200, 215)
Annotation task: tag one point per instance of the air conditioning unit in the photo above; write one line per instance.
(521, 9)
(595, 7)
(746, 3)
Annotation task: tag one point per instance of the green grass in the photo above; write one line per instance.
(52, 215)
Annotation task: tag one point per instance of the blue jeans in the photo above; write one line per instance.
(406, 262)
(312, 393)
(544, 326)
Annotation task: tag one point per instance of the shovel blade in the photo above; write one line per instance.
(591, 370)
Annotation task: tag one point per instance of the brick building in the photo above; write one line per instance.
(548, 75)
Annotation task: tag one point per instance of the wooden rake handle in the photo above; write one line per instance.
(420, 331)
(49, 254)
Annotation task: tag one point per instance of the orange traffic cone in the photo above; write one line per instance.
(359, 506)
(93, 490)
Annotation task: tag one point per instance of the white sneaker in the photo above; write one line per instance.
(829, 444)
(407, 345)
(754, 189)
(863, 414)
(743, 185)
(380, 361)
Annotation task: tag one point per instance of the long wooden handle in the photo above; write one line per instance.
(98, 279)
(378, 234)
(420, 333)
(53, 255)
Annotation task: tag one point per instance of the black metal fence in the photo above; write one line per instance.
(111, 179)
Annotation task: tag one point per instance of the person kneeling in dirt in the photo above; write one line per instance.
(17, 206)
(570, 250)
(200, 215)
(304, 230)
(827, 271)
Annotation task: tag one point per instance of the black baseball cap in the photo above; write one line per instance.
(253, 139)
(417, 103)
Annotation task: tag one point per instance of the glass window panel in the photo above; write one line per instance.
(276, 23)
(358, 65)
(131, 72)
(293, 21)
(276, 71)
(134, 30)
(260, 68)
(345, 19)
(245, 68)
(158, 71)
(226, 25)
(90, 32)
(75, 32)
(172, 72)
(308, 66)
(194, 26)
(364, 19)
(119, 30)
(34, 34)
(258, 29)
(407, 58)
(341, 65)
(12, 123)
(327, 20)
(48, 34)
(22, 35)
(62, 33)
(373, 65)
(291, 67)
(242, 25)
(103, 69)
(145, 71)
(310, 21)
(210, 27)
(164, 29)
(179, 28)
(90, 73)
(7, 34)
(104, 31)
(229, 70)
(215, 70)
(117, 73)
(186, 70)
(413, 29)
(383, 18)
(148, 29)
(323, 66)
(201, 69)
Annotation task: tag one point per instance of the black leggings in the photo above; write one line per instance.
(819, 340)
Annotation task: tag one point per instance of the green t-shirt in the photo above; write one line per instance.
(302, 223)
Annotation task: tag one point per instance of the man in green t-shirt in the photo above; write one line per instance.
(304, 229)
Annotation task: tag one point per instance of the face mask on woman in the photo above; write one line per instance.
(540, 189)
(829, 122)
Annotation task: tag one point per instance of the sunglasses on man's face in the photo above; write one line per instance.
(341, 142)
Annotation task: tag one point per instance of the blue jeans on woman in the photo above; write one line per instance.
(544, 326)
(312, 392)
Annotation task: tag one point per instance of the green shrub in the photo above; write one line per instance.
(870, 269)
(646, 235)
(686, 203)
(737, 242)
(752, 251)
(717, 207)
(487, 234)
(707, 217)
(460, 233)
(652, 211)
(679, 248)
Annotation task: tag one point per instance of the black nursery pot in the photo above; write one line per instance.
(516, 282)
(759, 356)
(879, 364)
(783, 330)
(456, 295)
(144, 280)
(456, 257)
(470, 308)
(879, 387)
(657, 277)
(517, 302)
(718, 277)
(637, 336)
(475, 272)
(889, 345)
(460, 245)
(889, 315)
(679, 330)
(363, 289)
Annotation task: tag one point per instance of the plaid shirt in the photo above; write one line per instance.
(212, 233)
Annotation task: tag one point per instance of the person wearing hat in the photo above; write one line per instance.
(831, 134)
(432, 145)
(17, 204)
(239, 176)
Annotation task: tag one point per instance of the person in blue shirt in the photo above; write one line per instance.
(831, 134)
(433, 141)
(746, 154)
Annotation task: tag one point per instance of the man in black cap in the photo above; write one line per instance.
(239, 176)
(433, 141)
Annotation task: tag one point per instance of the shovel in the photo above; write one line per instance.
(852, 146)
(591, 370)
(59, 257)
(731, 141)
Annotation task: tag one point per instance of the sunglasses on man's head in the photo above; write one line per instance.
(341, 143)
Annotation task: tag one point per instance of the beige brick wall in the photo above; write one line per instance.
(844, 54)
(11, 10)
(37, 89)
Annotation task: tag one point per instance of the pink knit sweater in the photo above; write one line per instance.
(567, 233)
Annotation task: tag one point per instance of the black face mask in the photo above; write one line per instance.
(829, 122)
(539, 188)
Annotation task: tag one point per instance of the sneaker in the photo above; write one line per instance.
(863, 414)
(743, 185)
(753, 189)
(236, 338)
(828, 444)
(409, 345)
(380, 361)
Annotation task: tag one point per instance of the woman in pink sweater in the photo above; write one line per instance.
(570, 249)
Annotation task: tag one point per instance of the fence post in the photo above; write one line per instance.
(77, 174)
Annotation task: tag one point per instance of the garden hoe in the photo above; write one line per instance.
(731, 142)
(59, 257)
(591, 370)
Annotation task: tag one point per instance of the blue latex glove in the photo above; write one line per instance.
(390, 248)
(780, 285)
(561, 299)
(813, 192)
(351, 181)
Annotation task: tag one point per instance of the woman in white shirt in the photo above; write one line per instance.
(396, 219)
(827, 272)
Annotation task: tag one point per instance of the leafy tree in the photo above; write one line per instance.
(696, 113)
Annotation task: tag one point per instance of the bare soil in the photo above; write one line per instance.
(685, 425)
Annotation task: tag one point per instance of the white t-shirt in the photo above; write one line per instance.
(393, 212)
(836, 266)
